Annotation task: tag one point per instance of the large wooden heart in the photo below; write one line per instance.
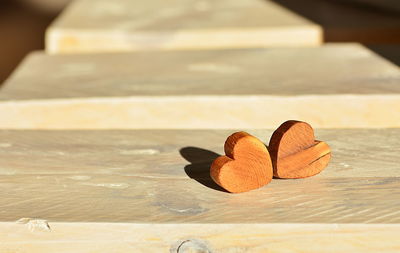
(295, 153)
(246, 165)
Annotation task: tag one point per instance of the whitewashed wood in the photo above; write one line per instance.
(225, 238)
(153, 177)
(120, 25)
(119, 191)
(115, 198)
(332, 86)
(356, 152)
(125, 25)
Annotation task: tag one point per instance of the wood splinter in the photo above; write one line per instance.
(295, 153)
(246, 166)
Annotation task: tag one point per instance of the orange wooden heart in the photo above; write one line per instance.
(246, 166)
(295, 153)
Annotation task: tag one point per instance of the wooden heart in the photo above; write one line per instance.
(246, 166)
(295, 153)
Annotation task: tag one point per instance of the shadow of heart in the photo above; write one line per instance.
(199, 167)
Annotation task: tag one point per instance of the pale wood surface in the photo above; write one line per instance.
(332, 86)
(119, 25)
(126, 25)
(148, 176)
(119, 191)
(225, 238)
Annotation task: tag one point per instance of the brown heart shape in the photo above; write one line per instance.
(295, 153)
(246, 166)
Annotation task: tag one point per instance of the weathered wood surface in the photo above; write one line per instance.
(148, 191)
(224, 238)
(120, 25)
(126, 25)
(162, 176)
(332, 86)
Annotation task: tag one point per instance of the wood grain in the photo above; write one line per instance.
(134, 199)
(124, 25)
(225, 238)
(121, 25)
(155, 177)
(245, 166)
(332, 86)
(358, 152)
(294, 151)
(148, 191)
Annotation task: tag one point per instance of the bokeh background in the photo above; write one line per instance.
(23, 24)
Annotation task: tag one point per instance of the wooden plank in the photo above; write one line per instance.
(148, 176)
(31, 152)
(91, 191)
(120, 25)
(343, 21)
(224, 238)
(135, 199)
(332, 86)
(124, 25)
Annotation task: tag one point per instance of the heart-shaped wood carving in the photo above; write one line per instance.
(295, 153)
(246, 166)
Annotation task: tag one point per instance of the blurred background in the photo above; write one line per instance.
(23, 24)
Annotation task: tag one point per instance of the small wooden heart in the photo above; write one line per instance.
(246, 166)
(295, 153)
